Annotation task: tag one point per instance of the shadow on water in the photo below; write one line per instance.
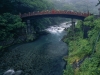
(42, 57)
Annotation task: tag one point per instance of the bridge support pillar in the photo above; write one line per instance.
(83, 29)
(82, 26)
(73, 26)
(28, 27)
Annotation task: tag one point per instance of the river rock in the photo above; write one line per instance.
(12, 72)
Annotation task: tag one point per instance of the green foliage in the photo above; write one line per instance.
(96, 23)
(79, 24)
(90, 66)
(89, 21)
(69, 71)
(89, 18)
(30, 37)
(0, 47)
(88, 48)
(9, 24)
(78, 49)
(23, 6)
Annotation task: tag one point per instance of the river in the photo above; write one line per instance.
(41, 57)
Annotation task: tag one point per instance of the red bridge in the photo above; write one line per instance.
(55, 13)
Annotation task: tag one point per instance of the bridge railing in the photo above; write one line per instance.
(53, 12)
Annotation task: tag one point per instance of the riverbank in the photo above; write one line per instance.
(21, 40)
(83, 53)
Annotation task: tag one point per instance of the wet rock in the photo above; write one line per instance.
(9, 72)
(18, 72)
(12, 72)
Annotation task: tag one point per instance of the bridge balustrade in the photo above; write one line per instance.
(54, 12)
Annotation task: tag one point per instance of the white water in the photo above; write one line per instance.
(58, 28)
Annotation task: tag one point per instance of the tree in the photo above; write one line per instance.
(9, 26)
